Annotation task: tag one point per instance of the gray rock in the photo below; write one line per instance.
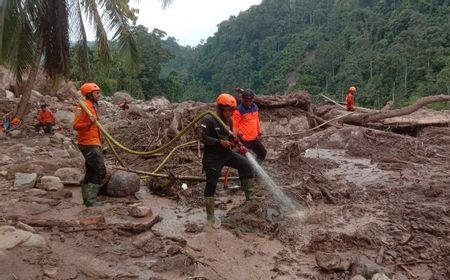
(64, 116)
(50, 183)
(15, 133)
(120, 97)
(11, 237)
(367, 268)
(23, 181)
(60, 154)
(25, 227)
(70, 174)
(4, 160)
(332, 262)
(122, 184)
(139, 211)
(28, 150)
(358, 277)
(380, 276)
(172, 263)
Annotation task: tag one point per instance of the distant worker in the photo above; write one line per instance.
(218, 143)
(246, 124)
(350, 100)
(6, 122)
(46, 119)
(89, 144)
(124, 105)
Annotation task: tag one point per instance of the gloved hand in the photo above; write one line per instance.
(242, 149)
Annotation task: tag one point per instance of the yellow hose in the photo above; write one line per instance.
(163, 147)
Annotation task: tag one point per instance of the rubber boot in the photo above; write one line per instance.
(89, 192)
(210, 217)
(248, 185)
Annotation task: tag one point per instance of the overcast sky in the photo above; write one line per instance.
(189, 20)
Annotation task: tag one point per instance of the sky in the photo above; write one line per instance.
(189, 21)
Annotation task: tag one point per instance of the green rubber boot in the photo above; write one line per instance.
(248, 186)
(89, 192)
(210, 217)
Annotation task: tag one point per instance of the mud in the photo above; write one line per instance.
(370, 195)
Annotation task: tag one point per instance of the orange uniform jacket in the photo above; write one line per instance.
(246, 122)
(88, 133)
(350, 102)
(46, 117)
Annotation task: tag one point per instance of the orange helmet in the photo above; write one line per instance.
(88, 88)
(352, 89)
(226, 99)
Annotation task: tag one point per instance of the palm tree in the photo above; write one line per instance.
(36, 31)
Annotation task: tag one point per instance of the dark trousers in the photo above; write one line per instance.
(47, 127)
(257, 147)
(94, 164)
(213, 165)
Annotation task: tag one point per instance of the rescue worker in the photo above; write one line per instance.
(46, 119)
(6, 122)
(350, 100)
(88, 140)
(218, 143)
(246, 124)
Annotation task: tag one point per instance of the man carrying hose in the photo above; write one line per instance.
(218, 142)
(246, 124)
(89, 144)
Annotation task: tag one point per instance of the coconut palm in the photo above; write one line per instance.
(35, 32)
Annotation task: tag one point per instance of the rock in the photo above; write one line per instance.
(4, 160)
(139, 211)
(358, 277)
(23, 181)
(10, 95)
(174, 250)
(10, 237)
(120, 97)
(380, 276)
(64, 116)
(60, 154)
(12, 267)
(50, 183)
(122, 184)
(51, 271)
(70, 174)
(367, 268)
(25, 227)
(329, 261)
(4, 173)
(28, 150)
(58, 137)
(15, 133)
(171, 263)
(141, 241)
(159, 101)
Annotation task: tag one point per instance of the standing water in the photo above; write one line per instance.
(290, 205)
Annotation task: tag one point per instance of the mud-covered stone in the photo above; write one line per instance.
(367, 268)
(11, 237)
(122, 184)
(380, 276)
(172, 263)
(23, 181)
(139, 211)
(358, 277)
(50, 183)
(70, 174)
(332, 262)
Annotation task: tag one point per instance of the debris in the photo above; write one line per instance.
(139, 211)
(380, 276)
(11, 237)
(70, 174)
(332, 261)
(366, 267)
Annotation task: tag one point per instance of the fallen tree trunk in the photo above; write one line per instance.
(300, 99)
(364, 118)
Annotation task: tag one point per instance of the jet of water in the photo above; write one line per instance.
(274, 188)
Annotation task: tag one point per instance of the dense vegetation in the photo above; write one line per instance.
(389, 49)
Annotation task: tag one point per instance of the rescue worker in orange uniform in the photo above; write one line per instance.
(218, 143)
(350, 100)
(46, 119)
(88, 140)
(246, 124)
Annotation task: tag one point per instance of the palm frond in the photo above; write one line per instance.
(91, 9)
(79, 30)
(118, 14)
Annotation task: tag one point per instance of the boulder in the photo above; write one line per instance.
(23, 181)
(159, 101)
(4, 160)
(367, 268)
(50, 183)
(64, 116)
(10, 95)
(15, 133)
(120, 97)
(70, 174)
(358, 277)
(11, 237)
(122, 184)
(332, 261)
(139, 211)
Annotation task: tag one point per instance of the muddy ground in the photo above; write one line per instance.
(378, 201)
